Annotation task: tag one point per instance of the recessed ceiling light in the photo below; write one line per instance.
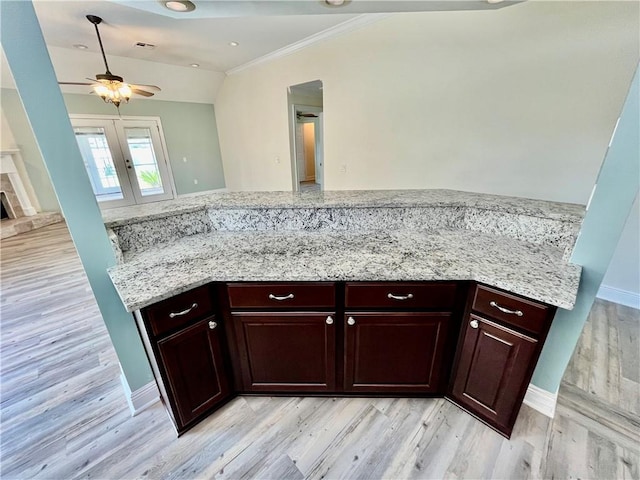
(335, 3)
(495, 1)
(234, 44)
(195, 65)
(180, 5)
(79, 46)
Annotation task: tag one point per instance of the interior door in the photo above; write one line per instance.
(124, 159)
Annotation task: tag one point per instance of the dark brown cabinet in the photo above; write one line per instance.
(185, 342)
(398, 336)
(395, 352)
(285, 335)
(286, 351)
(497, 352)
(194, 367)
(215, 341)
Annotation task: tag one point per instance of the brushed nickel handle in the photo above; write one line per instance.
(400, 297)
(473, 323)
(506, 310)
(351, 321)
(183, 312)
(329, 320)
(280, 298)
(212, 325)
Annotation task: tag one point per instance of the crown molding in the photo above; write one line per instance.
(344, 27)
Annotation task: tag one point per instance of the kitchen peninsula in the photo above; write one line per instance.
(268, 281)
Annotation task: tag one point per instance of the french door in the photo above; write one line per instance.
(125, 160)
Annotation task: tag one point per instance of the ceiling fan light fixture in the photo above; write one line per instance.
(180, 5)
(113, 92)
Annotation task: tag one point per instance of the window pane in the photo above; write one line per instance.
(99, 163)
(144, 161)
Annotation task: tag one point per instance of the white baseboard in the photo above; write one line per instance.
(541, 400)
(616, 295)
(140, 398)
(203, 192)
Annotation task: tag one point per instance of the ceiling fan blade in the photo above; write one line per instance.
(142, 92)
(74, 83)
(147, 87)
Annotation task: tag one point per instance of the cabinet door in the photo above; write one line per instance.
(395, 352)
(286, 351)
(493, 371)
(194, 367)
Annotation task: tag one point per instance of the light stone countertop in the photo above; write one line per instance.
(344, 199)
(166, 269)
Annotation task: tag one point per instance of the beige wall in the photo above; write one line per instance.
(519, 101)
(7, 141)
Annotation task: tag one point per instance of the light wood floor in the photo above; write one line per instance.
(63, 413)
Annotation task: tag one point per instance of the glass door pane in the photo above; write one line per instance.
(144, 161)
(99, 163)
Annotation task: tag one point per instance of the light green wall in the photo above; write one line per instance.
(35, 79)
(616, 189)
(190, 131)
(189, 128)
(23, 135)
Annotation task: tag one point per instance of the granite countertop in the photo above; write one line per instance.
(344, 199)
(164, 270)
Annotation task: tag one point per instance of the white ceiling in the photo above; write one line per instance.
(203, 36)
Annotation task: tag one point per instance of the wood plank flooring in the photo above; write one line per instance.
(63, 413)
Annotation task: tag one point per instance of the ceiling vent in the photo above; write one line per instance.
(146, 46)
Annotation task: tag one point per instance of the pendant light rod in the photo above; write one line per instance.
(96, 20)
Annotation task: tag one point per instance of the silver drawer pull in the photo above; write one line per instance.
(276, 297)
(351, 321)
(329, 320)
(212, 325)
(473, 323)
(400, 297)
(506, 310)
(183, 312)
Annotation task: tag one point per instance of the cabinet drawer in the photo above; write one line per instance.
(299, 295)
(400, 295)
(513, 310)
(179, 310)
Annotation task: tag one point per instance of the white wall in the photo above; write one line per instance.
(519, 101)
(622, 281)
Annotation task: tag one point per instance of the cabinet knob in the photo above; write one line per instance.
(212, 325)
(329, 320)
(473, 323)
(351, 321)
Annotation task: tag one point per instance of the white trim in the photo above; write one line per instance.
(344, 27)
(141, 398)
(203, 192)
(617, 295)
(541, 400)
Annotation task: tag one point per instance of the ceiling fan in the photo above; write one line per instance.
(112, 88)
